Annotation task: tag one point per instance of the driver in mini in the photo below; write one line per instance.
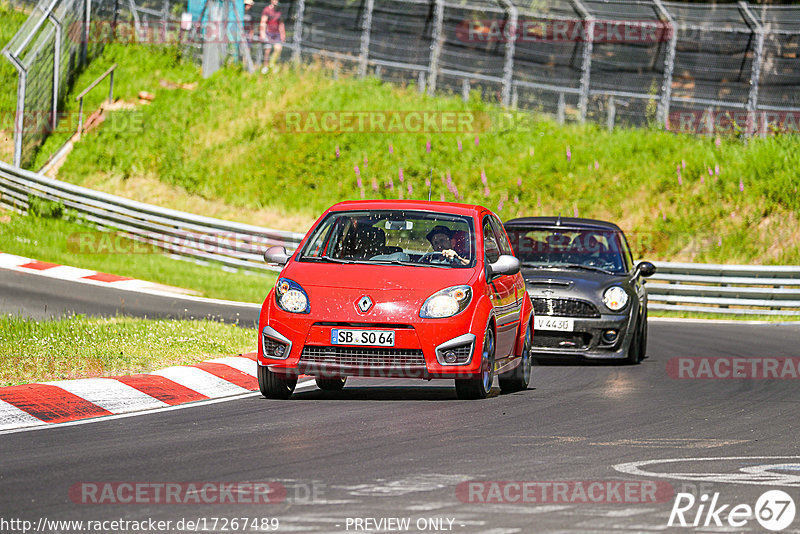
(440, 238)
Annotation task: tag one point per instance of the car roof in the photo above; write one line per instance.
(423, 205)
(565, 222)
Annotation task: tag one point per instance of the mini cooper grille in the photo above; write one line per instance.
(561, 340)
(564, 307)
(368, 357)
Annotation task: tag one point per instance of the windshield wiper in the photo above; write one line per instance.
(326, 258)
(410, 263)
(537, 265)
(586, 267)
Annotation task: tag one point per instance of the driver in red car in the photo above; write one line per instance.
(441, 238)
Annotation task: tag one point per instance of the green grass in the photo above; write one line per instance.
(142, 68)
(10, 21)
(80, 347)
(219, 142)
(722, 316)
(58, 241)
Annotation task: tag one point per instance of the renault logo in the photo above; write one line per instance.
(364, 304)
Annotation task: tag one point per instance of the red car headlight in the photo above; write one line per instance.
(291, 297)
(446, 303)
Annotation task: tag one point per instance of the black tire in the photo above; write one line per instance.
(643, 340)
(478, 387)
(519, 377)
(275, 385)
(330, 384)
(634, 349)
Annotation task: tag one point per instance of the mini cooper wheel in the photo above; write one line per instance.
(275, 385)
(330, 384)
(634, 355)
(519, 377)
(478, 387)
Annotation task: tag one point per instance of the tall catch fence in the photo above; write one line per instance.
(706, 69)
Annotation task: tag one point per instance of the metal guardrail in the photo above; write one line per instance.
(204, 238)
(731, 289)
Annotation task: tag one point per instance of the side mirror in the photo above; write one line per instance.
(505, 264)
(276, 254)
(645, 268)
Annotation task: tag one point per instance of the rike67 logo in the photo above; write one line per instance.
(774, 510)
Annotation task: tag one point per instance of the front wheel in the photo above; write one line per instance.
(330, 384)
(519, 377)
(275, 385)
(635, 348)
(478, 387)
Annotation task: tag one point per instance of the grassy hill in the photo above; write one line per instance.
(215, 148)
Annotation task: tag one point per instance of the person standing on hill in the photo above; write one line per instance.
(273, 35)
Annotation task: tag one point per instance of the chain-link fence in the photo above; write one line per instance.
(730, 68)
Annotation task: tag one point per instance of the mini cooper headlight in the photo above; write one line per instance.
(615, 298)
(446, 303)
(291, 297)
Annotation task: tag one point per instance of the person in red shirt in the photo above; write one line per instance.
(273, 35)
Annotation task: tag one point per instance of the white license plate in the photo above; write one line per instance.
(378, 338)
(562, 324)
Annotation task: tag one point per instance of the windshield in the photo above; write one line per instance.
(401, 237)
(559, 247)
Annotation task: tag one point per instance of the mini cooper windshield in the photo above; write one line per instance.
(589, 249)
(393, 237)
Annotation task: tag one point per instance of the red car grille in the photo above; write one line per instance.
(364, 357)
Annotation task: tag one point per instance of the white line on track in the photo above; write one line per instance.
(301, 385)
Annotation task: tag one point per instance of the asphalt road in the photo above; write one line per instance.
(399, 449)
(41, 297)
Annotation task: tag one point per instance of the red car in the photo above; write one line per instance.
(401, 289)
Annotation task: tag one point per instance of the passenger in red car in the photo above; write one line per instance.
(441, 238)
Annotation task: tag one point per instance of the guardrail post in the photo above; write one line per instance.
(56, 69)
(755, 72)
(508, 64)
(86, 21)
(464, 89)
(586, 63)
(297, 38)
(19, 118)
(612, 114)
(366, 30)
(562, 109)
(662, 110)
(436, 46)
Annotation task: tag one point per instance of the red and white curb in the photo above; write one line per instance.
(47, 403)
(87, 276)
(64, 272)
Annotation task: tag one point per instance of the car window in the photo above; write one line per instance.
(406, 237)
(557, 246)
(490, 247)
(502, 240)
